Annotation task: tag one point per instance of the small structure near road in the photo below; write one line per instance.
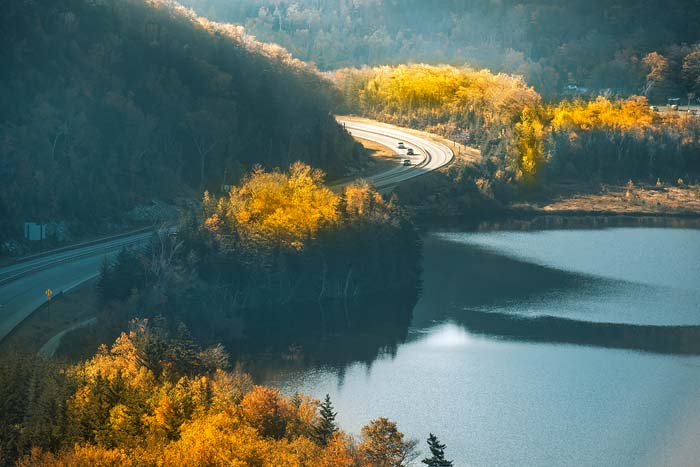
(35, 232)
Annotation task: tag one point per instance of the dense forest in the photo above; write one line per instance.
(107, 104)
(154, 397)
(599, 45)
(280, 255)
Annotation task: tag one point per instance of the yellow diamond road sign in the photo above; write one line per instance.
(48, 294)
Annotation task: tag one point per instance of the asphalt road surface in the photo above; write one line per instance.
(428, 156)
(22, 285)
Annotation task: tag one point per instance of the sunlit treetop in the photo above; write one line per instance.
(234, 32)
(633, 113)
(285, 208)
(437, 90)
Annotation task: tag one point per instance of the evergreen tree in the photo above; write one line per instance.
(104, 282)
(183, 352)
(438, 453)
(326, 428)
(127, 274)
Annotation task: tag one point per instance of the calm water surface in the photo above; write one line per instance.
(545, 348)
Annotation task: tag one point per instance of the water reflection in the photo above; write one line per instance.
(509, 286)
(446, 335)
(571, 222)
(456, 277)
(331, 336)
(634, 276)
(515, 359)
(655, 257)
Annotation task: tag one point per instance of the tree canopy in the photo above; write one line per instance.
(144, 402)
(527, 140)
(285, 208)
(598, 44)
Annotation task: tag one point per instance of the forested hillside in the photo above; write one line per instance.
(600, 44)
(105, 104)
(524, 139)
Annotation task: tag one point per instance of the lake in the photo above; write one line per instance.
(539, 348)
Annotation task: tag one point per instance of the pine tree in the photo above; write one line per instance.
(184, 353)
(326, 428)
(438, 453)
(296, 400)
(104, 281)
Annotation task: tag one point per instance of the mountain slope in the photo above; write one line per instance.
(596, 43)
(104, 104)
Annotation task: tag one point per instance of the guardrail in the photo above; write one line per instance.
(75, 246)
(49, 264)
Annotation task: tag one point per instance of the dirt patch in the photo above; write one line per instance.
(379, 159)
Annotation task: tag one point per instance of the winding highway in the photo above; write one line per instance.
(22, 285)
(428, 156)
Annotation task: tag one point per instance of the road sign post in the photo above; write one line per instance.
(49, 294)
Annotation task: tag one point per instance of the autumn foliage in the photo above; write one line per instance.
(619, 140)
(148, 400)
(284, 208)
(285, 237)
(434, 95)
(104, 105)
(523, 139)
(602, 113)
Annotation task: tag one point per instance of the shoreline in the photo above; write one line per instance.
(521, 219)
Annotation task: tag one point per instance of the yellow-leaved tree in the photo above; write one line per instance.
(281, 208)
(603, 114)
(531, 133)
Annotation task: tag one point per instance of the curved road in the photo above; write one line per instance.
(429, 155)
(22, 284)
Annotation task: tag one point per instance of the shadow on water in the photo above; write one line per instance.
(682, 340)
(571, 221)
(467, 285)
(457, 277)
(329, 336)
(464, 284)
